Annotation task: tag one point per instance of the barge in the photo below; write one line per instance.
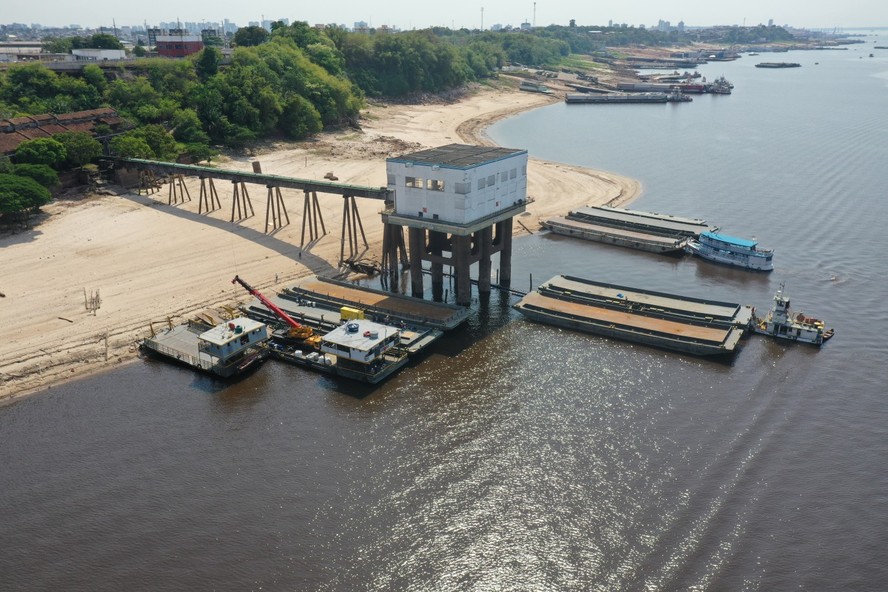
(645, 231)
(226, 350)
(652, 222)
(623, 98)
(685, 324)
(778, 65)
(652, 243)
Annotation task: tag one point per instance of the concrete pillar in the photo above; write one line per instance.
(436, 247)
(461, 251)
(504, 229)
(485, 236)
(416, 239)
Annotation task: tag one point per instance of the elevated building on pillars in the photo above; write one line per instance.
(457, 203)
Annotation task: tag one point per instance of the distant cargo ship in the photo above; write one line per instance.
(778, 65)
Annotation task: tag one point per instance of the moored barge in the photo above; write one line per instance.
(685, 324)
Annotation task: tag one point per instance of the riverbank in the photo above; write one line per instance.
(151, 262)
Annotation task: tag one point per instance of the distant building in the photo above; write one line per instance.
(178, 46)
(98, 55)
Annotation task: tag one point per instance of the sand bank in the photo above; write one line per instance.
(152, 262)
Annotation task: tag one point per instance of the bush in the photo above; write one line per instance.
(41, 173)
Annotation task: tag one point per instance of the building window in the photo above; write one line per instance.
(513, 173)
(391, 180)
(491, 180)
(481, 183)
(462, 188)
(415, 182)
(436, 185)
(504, 176)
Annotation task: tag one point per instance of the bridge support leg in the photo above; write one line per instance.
(276, 208)
(208, 197)
(241, 201)
(178, 190)
(351, 223)
(311, 215)
(147, 182)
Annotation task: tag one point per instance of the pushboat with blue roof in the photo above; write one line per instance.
(731, 250)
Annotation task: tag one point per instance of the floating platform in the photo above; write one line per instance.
(689, 325)
(634, 239)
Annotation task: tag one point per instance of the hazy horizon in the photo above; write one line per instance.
(861, 14)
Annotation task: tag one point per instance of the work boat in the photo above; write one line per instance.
(730, 250)
(781, 322)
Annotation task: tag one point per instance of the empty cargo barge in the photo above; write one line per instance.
(689, 325)
(663, 224)
(635, 239)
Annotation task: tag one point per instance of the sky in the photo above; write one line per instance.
(811, 14)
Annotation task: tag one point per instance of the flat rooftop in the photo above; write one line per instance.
(457, 156)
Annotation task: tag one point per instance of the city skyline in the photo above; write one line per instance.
(459, 14)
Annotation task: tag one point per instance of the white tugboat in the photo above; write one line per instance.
(781, 322)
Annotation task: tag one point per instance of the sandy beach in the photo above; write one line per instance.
(153, 262)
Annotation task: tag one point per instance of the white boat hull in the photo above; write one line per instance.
(745, 260)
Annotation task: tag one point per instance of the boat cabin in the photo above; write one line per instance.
(226, 340)
(360, 341)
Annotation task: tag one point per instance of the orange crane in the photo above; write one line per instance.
(296, 331)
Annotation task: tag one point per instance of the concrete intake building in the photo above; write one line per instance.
(457, 202)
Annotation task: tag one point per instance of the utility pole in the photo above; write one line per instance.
(482, 19)
(534, 15)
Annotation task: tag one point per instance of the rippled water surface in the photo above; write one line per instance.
(520, 456)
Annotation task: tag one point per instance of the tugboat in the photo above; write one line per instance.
(782, 323)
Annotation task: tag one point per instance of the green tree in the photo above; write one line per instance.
(139, 51)
(130, 146)
(21, 195)
(41, 151)
(299, 118)
(187, 127)
(80, 147)
(162, 144)
(57, 45)
(207, 63)
(95, 77)
(41, 173)
(250, 36)
(100, 41)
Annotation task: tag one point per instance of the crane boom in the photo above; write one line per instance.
(268, 303)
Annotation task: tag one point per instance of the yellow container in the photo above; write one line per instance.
(351, 314)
